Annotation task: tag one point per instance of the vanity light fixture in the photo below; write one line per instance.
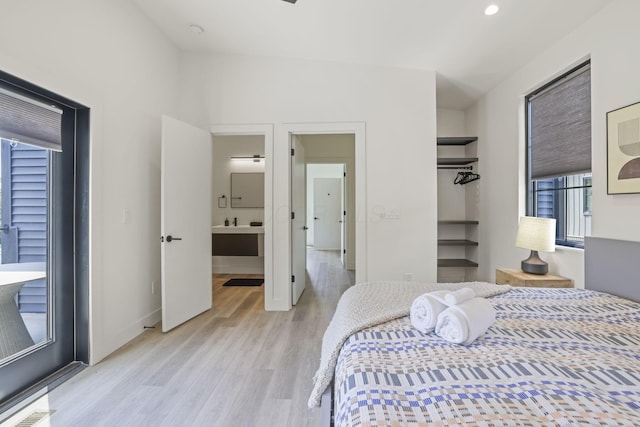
(492, 9)
(255, 158)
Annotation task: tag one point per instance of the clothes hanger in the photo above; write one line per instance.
(460, 177)
(469, 177)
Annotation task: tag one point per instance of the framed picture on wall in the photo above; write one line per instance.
(623, 150)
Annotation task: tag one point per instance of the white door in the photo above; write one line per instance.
(298, 222)
(186, 222)
(327, 201)
(343, 218)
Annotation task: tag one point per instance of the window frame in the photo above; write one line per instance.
(68, 262)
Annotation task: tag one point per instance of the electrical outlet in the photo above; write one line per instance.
(408, 277)
(153, 287)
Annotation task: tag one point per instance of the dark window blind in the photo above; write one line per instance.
(560, 126)
(29, 121)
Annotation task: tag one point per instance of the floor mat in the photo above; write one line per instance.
(244, 282)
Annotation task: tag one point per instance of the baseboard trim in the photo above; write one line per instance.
(115, 341)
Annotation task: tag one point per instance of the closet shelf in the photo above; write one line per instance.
(455, 262)
(459, 221)
(456, 140)
(456, 161)
(456, 242)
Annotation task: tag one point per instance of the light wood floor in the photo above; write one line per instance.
(235, 365)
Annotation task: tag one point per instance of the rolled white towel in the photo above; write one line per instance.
(463, 323)
(425, 310)
(459, 296)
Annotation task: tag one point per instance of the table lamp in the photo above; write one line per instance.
(536, 234)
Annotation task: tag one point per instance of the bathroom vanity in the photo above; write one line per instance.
(241, 240)
(237, 249)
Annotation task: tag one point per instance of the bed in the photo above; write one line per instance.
(553, 356)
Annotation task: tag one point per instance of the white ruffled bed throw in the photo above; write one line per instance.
(369, 304)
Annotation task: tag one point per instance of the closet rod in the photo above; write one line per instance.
(469, 168)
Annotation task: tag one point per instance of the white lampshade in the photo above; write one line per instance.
(537, 234)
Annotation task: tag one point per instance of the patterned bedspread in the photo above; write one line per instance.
(562, 357)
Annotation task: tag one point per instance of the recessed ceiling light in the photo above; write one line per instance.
(196, 29)
(492, 9)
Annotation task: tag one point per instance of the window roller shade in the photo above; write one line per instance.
(30, 122)
(561, 128)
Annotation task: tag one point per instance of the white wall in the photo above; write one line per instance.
(106, 55)
(398, 107)
(451, 122)
(610, 38)
(451, 198)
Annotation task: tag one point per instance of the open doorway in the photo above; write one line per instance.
(237, 217)
(328, 162)
(326, 207)
(241, 212)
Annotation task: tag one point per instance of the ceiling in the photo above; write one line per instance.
(469, 51)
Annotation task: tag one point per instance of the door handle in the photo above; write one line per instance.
(315, 217)
(305, 228)
(170, 238)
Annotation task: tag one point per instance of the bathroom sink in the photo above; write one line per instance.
(240, 229)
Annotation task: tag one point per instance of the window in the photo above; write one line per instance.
(559, 155)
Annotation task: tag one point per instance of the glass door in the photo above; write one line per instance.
(24, 289)
(37, 235)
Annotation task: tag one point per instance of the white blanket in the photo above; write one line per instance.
(369, 304)
(463, 323)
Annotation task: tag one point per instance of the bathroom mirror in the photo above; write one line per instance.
(247, 190)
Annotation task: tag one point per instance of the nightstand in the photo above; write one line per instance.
(516, 277)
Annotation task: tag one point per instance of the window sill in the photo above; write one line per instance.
(562, 248)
